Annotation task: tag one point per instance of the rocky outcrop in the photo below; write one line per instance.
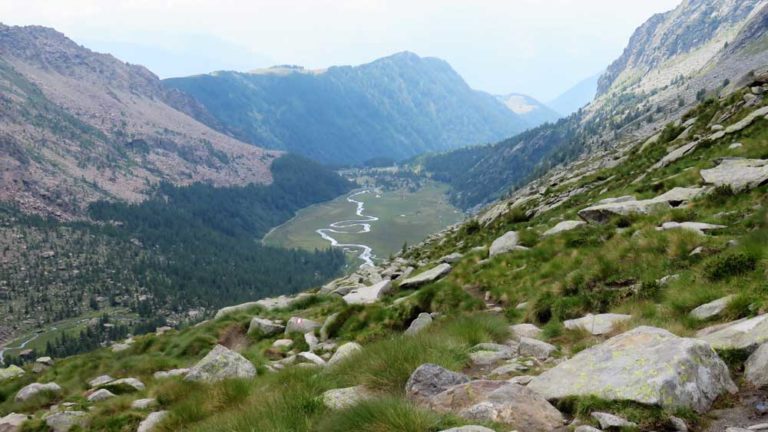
(737, 173)
(342, 398)
(430, 379)
(597, 324)
(429, 276)
(676, 154)
(34, 389)
(743, 334)
(368, 294)
(711, 309)
(219, 364)
(645, 365)
(508, 242)
(498, 402)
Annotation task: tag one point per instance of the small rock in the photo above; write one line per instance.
(100, 381)
(597, 324)
(124, 385)
(66, 420)
(143, 404)
(170, 373)
(525, 330)
(311, 341)
(423, 321)
(608, 421)
(344, 351)
(586, 428)
(536, 348)
(743, 334)
(678, 424)
(452, 258)
(326, 327)
(711, 309)
(427, 277)
(151, 422)
(430, 379)
(342, 398)
(100, 395)
(12, 422)
(563, 226)
(756, 367)
(282, 343)
(368, 294)
(469, 428)
(264, 327)
(308, 357)
(301, 325)
(11, 371)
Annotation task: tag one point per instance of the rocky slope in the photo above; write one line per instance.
(600, 298)
(395, 107)
(674, 61)
(529, 109)
(79, 126)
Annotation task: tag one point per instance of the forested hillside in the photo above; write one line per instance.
(395, 107)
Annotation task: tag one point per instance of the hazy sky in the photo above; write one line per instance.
(538, 47)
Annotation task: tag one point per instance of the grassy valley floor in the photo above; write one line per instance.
(404, 216)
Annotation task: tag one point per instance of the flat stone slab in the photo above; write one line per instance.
(697, 227)
(646, 365)
(711, 309)
(597, 324)
(509, 242)
(368, 294)
(676, 155)
(427, 277)
(739, 174)
(563, 227)
(745, 334)
(603, 211)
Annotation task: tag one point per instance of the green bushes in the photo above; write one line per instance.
(729, 264)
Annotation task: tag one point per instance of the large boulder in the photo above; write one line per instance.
(430, 379)
(743, 334)
(100, 395)
(509, 242)
(421, 322)
(150, 423)
(597, 324)
(219, 364)
(605, 210)
(499, 402)
(535, 348)
(12, 422)
(739, 174)
(563, 227)
(711, 309)
(344, 351)
(301, 325)
(34, 389)
(756, 367)
(11, 371)
(345, 397)
(264, 327)
(645, 365)
(368, 294)
(427, 277)
(65, 420)
(100, 381)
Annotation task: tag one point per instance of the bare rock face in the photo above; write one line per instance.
(430, 379)
(12, 422)
(499, 402)
(646, 365)
(219, 364)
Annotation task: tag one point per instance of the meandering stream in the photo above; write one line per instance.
(356, 226)
(19, 347)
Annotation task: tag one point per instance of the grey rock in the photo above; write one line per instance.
(219, 364)
(143, 404)
(150, 423)
(368, 294)
(744, 334)
(282, 344)
(525, 330)
(468, 428)
(597, 324)
(563, 227)
(602, 213)
(676, 155)
(312, 341)
(124, 385)
(739, 174)
(452, 258)
(100, 381)
(342, 398)
(506, 243)
(265, 327)
(309, 357)
(536, 348)
(171, 373)
(34, 389)
(508, 369)
(711, 309)
(697, 227)
(678, 424)
(746, 121)
(421, 322)
(608, 421)
(585, 428)
(66, 420)
(486, 358)
(10, 372)
(344, 351)
(756, 367)
(301, 325)
(646, 365)
(100, 395)
(12, 422)
(429, 276)
(325, 330)
(430, 379)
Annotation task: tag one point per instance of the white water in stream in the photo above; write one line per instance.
(356, 226)
(20, 347)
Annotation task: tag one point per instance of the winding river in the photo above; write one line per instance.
(354, 226)
(19, 347)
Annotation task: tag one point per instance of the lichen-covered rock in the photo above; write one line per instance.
(508, 242)
(344, 351)
(430, 379)
(35, 389)
(646, 365)
(368, 294)
(711, 309)
(301, 325)
(697, 227)
(345, 397)
(150, 423)
(743, 334)
(597, 324)
(421, 322)
(426, 277)
(11, 371)
(264, 327)
(499, 402)
(65, 420)
(219, 364)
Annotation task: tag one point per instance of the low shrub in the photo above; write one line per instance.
(729, 264)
